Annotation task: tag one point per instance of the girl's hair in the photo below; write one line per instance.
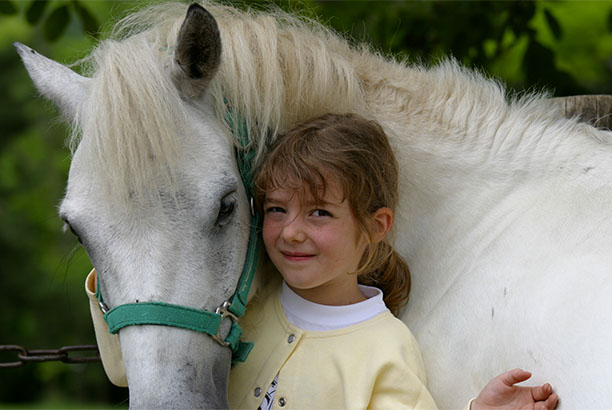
(355, 153)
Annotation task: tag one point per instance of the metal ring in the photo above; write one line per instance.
(103, 307)
(225, 313)
(252, 207)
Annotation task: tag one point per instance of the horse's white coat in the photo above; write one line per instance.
(167, 244)
(504, 215)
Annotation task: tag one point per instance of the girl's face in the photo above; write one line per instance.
(315, 247)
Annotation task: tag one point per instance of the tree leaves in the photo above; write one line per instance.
(7, 8)
(89, 22)
(541, 69)
(56, 22)
(553, 24)
(36, 11)
(478, 36)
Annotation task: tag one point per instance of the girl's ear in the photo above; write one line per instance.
(381, 223)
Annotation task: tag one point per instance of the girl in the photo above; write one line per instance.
(324, 336)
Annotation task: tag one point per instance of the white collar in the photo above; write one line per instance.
(308, 315)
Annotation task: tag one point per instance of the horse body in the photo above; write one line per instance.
(506, 235)
(503, 216)
(504, 219)
(520, 282)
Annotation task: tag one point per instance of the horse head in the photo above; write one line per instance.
(155, 197)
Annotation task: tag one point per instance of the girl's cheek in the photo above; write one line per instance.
(269, 231)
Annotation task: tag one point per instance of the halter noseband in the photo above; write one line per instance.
(166, 314)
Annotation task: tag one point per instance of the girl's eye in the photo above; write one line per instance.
(320, 212)
(274, 209)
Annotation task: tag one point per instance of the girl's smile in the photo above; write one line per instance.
(296, 256)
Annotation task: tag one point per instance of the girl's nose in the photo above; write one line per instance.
(293, 231)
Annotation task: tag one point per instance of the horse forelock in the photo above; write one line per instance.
(127, 127)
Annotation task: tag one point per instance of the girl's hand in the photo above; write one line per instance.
(501, 393)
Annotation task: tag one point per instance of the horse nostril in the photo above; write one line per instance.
(72, 230)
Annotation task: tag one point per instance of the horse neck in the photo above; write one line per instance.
(468, 158)
(449, 126)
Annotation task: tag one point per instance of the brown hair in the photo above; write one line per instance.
(354, 152)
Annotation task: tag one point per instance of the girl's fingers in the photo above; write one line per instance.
(542, 393)
(553, 401)
(512, 377)
(549, 404)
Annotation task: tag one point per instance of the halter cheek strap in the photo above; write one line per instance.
(166, 314)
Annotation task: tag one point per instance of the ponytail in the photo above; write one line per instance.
(389, 273)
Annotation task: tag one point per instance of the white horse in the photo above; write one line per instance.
(505, 212)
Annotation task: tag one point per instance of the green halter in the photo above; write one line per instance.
(160, 313)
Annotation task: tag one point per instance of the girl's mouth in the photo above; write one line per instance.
(296, 256)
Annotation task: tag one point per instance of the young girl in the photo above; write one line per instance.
(323, 330)
(325, 336)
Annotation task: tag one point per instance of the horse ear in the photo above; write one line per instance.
(198, 51)
(56, 82)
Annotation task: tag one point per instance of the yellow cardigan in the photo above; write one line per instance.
(374, 364)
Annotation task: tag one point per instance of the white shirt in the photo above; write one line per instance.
(308, 315)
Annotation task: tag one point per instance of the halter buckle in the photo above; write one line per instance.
(103, 307)
(252, 206)
(223, 310)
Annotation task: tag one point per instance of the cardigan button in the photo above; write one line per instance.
(257, 392)
(282, 402)
(291, 338)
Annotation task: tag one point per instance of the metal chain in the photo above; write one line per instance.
(47, 355)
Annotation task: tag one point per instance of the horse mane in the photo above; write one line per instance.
(276, 71)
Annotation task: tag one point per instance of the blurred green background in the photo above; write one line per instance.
(562, 47)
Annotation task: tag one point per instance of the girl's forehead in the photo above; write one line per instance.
(329, 193)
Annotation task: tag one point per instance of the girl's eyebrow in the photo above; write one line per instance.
(308, 203)
(270, 197)
(322, 203)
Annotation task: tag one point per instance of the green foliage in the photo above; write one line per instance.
(503, 39)
(553, 23)
(36, 11)
(562, 46)
(7, 8)
(56, 21)
(90, 23)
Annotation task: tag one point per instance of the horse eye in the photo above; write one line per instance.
(226, 209)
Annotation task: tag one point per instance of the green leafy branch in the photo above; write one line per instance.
(54, 18)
